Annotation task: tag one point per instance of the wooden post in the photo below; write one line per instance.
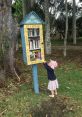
(35, 78)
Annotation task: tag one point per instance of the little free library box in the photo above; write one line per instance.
(31, 28)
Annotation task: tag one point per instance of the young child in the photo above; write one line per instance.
(53, 83)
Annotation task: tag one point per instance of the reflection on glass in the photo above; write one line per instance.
(35, 55)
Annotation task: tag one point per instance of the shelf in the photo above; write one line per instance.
(35, 49)
(33, 36)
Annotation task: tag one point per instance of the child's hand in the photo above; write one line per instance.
(44, 61)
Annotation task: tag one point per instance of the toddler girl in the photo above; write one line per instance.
(53, 83)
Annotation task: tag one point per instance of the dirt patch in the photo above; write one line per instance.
(55, 107)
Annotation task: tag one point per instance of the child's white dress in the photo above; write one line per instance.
(53, 85)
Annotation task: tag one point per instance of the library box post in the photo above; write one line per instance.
(31, 28)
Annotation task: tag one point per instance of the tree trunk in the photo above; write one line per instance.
(24, 6)
(27, 5)
(8, 36)
(47, 28)
(66, 30)
(74, 22)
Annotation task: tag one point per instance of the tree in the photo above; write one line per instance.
(8, 36)
(27, 5)
(66, 30)
(74, 22)
(47, 28)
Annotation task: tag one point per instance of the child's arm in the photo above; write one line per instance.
(46, 66)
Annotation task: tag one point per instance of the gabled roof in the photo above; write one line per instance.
(32, 18)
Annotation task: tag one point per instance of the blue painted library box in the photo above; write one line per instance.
(31, 28)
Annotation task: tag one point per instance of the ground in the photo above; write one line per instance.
(17, 99)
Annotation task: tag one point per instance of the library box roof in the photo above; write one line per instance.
(32, 18)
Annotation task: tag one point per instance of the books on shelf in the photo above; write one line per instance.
(33, 32)
(34, 44)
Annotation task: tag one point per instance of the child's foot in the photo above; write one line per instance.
(51, 95)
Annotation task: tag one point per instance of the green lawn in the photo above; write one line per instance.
(70, 80)
(58, 42)
(19, 100)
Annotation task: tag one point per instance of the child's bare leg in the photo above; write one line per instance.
(52, 92)
(55, 91)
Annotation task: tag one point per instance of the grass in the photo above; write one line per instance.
(69, 42)
(19, 103)
(18, 98)
(70, 81)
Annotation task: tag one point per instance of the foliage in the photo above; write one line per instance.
(17, 10)
(38, 10)
(57, 17)
(60, 24)
(79, 26)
